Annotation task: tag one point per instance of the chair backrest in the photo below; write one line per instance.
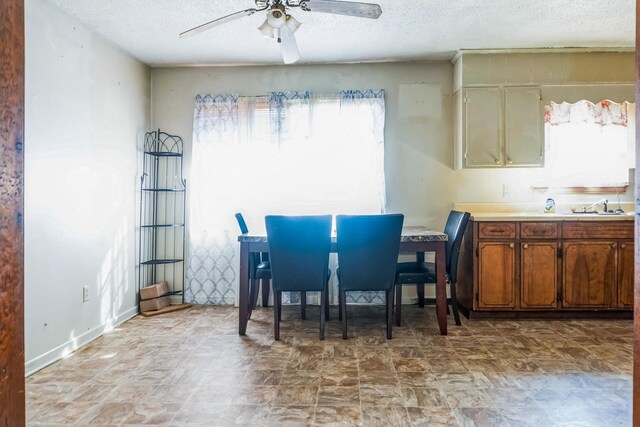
(368, 248)
(241, 223)
(254, 257)
(454, 229)
(299, 251)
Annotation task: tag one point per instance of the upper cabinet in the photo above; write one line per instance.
(499, 114)
(482, 118)
(499, 127)
(524, 127)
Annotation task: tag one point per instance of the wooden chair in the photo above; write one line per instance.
(299, 255)
(421, 272)
(368, 248)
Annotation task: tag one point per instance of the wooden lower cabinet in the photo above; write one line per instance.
(625, 274)
(496, 275)
(539, 275)
(589, 274)
(547, 266)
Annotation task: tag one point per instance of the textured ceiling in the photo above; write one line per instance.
(407, 29)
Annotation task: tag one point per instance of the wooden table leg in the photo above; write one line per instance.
(243, 316)
(441, 287)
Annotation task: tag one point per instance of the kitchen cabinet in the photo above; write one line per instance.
(589, 274)
(496, 273)
(539, 275)
(625, 273)
(524, 127)
(482, 127)
(547, 266)
(539, 265)
(501, 127)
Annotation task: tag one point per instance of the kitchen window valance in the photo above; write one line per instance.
(605, 112)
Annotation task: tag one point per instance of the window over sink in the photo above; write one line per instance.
(589, 147)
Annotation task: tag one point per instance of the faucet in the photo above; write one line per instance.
(603, 202)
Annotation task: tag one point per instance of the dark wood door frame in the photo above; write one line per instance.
(636, 309)
(12, 384)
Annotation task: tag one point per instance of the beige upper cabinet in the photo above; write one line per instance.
(500, 127)
(482, 127)
(524, 132)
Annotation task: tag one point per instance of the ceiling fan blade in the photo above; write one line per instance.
(349, 8)
(288, 47)
(204, 27)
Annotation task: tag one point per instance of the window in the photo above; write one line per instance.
(292, 153)
(589, 145)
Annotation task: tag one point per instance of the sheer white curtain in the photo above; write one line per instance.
(588, 144)
(290, 153)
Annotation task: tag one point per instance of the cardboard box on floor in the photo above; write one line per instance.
(154, 297)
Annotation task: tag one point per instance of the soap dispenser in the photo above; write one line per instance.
(550, 206)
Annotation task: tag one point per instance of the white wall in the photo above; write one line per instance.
(418, 130)
(87, 105)
(421, 180)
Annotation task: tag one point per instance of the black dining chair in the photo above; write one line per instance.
(259, 270)
(421, 272)
(299, 252)
(368, 248)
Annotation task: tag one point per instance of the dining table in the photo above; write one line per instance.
(413, 240)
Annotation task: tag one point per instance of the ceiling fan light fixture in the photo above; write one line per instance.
(276, 18)
(266, 29)
(292, 24)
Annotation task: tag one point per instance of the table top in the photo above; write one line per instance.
(409, 234)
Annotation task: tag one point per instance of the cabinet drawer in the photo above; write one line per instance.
(500, 230)
(539, 230)
(597, 230)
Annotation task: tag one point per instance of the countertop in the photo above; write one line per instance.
(532, 216)
(533, 212)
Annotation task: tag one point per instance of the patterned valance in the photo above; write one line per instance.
(604, 112)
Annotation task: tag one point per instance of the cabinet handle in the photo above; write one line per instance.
(525, 246)
(511, 245)
(623, 246)
(613, 245)
(509, 160)
(498, 161)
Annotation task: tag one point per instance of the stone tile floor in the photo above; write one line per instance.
(192, 368)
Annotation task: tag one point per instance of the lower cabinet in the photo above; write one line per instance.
(625, 274)
(589, 274)
(548, 266)
(539, 275)
(496, 271)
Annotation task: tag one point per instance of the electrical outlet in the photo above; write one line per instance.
(506, 190)
(85, 293)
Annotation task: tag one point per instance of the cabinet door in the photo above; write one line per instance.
(482, 127)
(524, 141)
(589, 274)
(625, 274)
(496, 275)
(539, 275)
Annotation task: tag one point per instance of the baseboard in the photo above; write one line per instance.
(34, 365)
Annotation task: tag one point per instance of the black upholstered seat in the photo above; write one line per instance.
(367, 254)
(421, 272)
(299, 253)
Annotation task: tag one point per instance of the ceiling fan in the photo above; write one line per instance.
(280, 26)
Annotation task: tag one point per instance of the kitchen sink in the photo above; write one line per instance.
(598, 213)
